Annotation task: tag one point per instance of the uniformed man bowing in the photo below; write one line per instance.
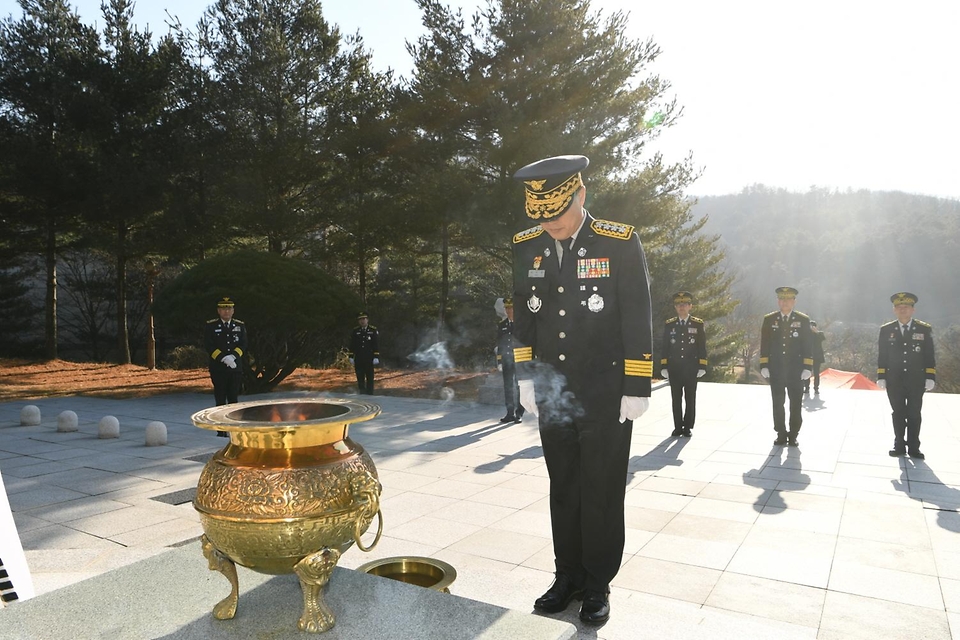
(906, 368)
(364, 352)
(225, 341)
(786, 360)
(583, 332)
(684, 361)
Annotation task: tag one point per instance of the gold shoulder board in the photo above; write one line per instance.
(695, 319)
(923, 324)
(214, 320)
(612, 229)
(673, 319)
(527, 234)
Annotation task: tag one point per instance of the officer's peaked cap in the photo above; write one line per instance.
(225, 303)
(786, 293)
(362, 314)
(682, 296)
(904, 298)
(550, 184)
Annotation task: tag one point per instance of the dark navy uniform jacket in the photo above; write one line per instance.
(684, 347)
(906, 359)
(364, 344)
(223, 339)
(590, 320)
(786, 348)
(505, 342)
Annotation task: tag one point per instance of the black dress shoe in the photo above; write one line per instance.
(520, 412)
(595, 608)
(792, 442)
(686, 433)
(677, 432)
(559, 595)
(517, 419)
(916, 453)
(507, 418)
(780, 441)
(897, 453)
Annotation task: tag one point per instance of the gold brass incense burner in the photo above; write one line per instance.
(289, 494)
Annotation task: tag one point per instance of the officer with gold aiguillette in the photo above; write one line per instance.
(225, 341)
(584, 333)
(906, 368)
(684, 361)
(786, 360)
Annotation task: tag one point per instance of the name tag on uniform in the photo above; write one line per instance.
(535, 273)
(593, 268)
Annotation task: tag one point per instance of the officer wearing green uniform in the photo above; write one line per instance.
(786, 360)
(684, 361)
(906, 368)
(584, 333)
(225, 341)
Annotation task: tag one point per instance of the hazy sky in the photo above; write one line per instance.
(838, 93)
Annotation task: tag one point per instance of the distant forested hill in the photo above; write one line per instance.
(847, 251)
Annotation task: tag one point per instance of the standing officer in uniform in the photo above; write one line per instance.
(364, 352)
(818, 357)
(225, 341)
(786, 359)
(506, 364)
(583, 313)
(685, 360)
(906, 367)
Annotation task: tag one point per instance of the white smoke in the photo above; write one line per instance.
(556, 404)
(435, 356)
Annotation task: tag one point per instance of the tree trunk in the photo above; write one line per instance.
(50, 329)
(444, 278)
(123, 338)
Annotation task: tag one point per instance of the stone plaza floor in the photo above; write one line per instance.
(727, 535)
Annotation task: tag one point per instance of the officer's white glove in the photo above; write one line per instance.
(376, 361)
(765, 372)
(929, 385)
(632, 407)
(499, 367)
(528, 396)
(351, 360)
(882, 384)
(665, 374)
(701, 373)
(230, 361)
(806, 375)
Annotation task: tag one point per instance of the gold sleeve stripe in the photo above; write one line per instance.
(931, 371)
(639, 368)
(703, 361)
(808, 361)
(764, 359)
(523, 354)
(239, 351)
(215, 354)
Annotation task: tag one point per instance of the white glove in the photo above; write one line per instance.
(806, 375)
(351, 360)
(701, 373)
(765, 372)
(528, 396)
(376, 361)
(929, 385)
(499, 367)
(632, 407)
(882, 384)
(665, 374)
(230, 361)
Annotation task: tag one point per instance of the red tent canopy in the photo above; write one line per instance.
(836, 379)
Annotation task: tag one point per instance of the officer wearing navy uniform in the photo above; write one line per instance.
(364, 352)
(786, 360)
(507, 365)
(584, 334)
(906, 368)
(818, 357)
(684, 361)
(225, 341)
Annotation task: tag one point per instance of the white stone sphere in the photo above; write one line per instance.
(156, 434)
(109, 427)
(67, 421)
(30, 415)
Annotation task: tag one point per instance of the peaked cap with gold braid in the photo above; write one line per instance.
(550, 185)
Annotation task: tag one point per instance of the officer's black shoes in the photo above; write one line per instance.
(517, 419)
(507, 418)
(897, 453)
(559, 595)
(520, 412)
(595, 609)
(780, 441)
(677, 432)
(916, 453)
(222, 434)
(686, 433)
(792, 442)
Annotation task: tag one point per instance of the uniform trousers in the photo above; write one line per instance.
(780, 390)
(364, 376)
(906, 402)
(226, 384)
(511, 389)
(684, 384)
(587, 464)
